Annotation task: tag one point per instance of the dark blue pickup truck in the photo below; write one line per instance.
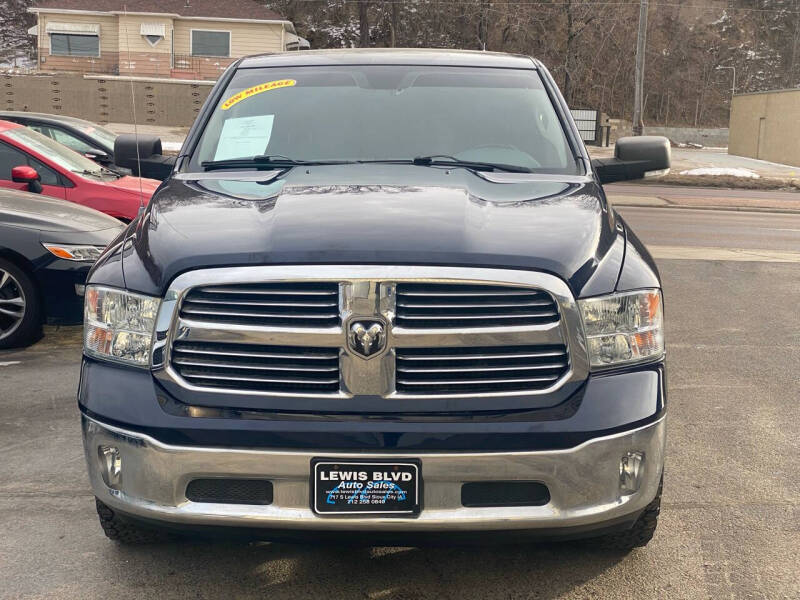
(382, 295)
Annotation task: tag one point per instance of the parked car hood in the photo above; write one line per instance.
(34, 211)
(380, 215)
(132, 184)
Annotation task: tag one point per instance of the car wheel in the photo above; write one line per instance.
(124, 531)
(641, 532)
(20, 307)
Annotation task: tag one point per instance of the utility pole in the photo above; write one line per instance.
(363, 24)
(641, 42)
(484, 24)
(733, 85)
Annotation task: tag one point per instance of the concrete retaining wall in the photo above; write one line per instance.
(711, 137)
(705, 136)
(104, 100)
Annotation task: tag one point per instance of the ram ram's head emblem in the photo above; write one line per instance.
(366, 338)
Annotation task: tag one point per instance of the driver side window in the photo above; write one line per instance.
(47, 175)
(10, 157)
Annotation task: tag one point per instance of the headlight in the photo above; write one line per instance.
(623, 328)
(74, 252)
(118, 325)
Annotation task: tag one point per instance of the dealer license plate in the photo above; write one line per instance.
(349, 487)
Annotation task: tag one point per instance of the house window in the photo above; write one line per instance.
(153, 33)
(71, 44)
(211, 43)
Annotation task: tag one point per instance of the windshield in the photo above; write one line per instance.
(363, 113)
(104, 136)
(59, 154)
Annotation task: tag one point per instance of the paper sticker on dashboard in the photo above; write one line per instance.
(244, 137)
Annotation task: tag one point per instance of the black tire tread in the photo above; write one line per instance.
(124, 531)
(640, 534)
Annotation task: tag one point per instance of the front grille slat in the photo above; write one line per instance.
(495, 369)
(454, 305)
(460, 290)
(310, 355)
(490, 304)
(448, 357)
(483, 381)
(299, 305)
(250, 314)
(445, 316)
(251, 367)
(290, 369)
(280, 289)
(207, 375)
(462, 369)
(241, 302)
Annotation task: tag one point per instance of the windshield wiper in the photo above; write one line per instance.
(445, 160)
(92, 172)
(281, 162)
(266, 161)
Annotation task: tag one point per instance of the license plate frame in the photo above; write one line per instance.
(365, 500)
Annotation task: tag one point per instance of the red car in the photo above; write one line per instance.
(33, 162)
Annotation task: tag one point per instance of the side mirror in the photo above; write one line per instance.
(634, 158)
(153, 164)
(97, 155)
(26, 174)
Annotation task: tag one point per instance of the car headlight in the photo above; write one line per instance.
(80, 253)
(623, 328)
(119, 325)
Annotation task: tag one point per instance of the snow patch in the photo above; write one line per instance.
(732, 172)
(171, 146)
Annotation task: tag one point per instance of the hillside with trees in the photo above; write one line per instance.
(589, 45)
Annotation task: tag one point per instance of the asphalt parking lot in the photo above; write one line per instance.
(730, 524)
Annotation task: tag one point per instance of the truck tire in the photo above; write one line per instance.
(20, 307)
(642, 531)
(125, 531)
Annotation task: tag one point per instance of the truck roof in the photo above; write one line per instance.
(391, 56)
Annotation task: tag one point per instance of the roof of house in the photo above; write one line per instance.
(210, 9)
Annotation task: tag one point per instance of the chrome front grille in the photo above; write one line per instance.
(442, 338)
(252, 367)
(482, 370)
(296, 304)
(448, 305)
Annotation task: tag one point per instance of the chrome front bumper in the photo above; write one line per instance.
(583, 483)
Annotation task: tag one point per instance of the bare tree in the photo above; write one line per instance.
(589, 44)
(15, 43)
(363, 23)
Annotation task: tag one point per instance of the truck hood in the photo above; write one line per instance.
(374, 215)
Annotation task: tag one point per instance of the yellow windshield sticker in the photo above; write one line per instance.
(257, 89)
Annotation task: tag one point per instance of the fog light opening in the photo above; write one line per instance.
(631, 472)
(111, 465)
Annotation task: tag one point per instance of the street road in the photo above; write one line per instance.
(714, 228)
(730, 525)
(681, 191)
